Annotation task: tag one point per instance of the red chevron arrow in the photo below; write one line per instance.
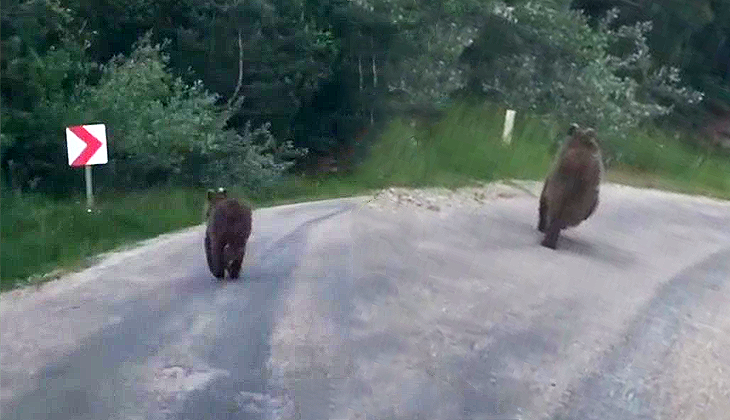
(92, 145)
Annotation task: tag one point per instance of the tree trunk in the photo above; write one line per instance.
(240, 70)
(359, 70)
(375, 81)
(212, 39)
(375, 69)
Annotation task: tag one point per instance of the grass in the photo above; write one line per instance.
(655, 159)
(40, 235)
(464, 146)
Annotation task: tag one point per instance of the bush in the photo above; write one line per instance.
(557, 64)
(253, 159)
(163, 130)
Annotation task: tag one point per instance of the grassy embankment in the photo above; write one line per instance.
(40, 235)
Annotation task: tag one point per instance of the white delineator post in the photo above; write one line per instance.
(509, 123)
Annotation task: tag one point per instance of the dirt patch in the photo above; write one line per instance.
(443, 199)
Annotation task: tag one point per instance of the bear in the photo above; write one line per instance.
(570, 192)
(227, 232)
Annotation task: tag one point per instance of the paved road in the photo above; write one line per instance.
(350, 312)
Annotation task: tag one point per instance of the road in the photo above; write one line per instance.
(349, 310)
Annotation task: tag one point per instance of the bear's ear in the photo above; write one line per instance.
(572, 129)
(211, 194)
(590, 134)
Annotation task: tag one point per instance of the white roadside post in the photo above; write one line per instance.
(509, 123)
(87, 146)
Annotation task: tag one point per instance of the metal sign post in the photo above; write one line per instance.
(89, 189)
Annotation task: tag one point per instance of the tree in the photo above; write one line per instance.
(161, 125)
(424, 68)
(556, 63)
(691, 36)
(44, 57)
(269, 52)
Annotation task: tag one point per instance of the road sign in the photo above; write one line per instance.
(86, 145)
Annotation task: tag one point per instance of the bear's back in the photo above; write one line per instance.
(230, 215)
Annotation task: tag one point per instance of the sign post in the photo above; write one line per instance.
(89, 189)
(87, 146)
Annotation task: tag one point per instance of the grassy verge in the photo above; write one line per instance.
(464, 146)
(40, 235)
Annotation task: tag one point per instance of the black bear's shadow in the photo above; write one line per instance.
(522, 234)
(571, 242)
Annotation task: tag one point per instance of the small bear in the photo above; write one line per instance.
(228, 230)
(570, 193)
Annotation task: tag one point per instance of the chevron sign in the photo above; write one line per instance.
(86, 145)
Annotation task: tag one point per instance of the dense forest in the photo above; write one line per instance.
(203, 92)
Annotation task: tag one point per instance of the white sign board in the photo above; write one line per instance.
(86, 145)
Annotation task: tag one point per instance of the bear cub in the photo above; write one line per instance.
(228, 229)
(570, 192)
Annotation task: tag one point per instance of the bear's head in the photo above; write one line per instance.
(586, 138)
(214, 197)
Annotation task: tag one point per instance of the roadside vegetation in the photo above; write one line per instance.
(395, 92)
(463, 147)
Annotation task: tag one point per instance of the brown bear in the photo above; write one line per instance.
(228, 229)
(570, 192)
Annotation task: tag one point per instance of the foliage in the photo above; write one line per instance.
(44, 57)
(153, 119)
(691, 36)
(253, 160)
(318, 73)
(433, 35)
(158, 122)
(561, 66)
(273, 53)
(462, 147)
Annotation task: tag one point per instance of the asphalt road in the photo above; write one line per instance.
(345, 311)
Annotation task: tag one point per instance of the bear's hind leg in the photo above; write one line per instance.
(235, 267)
(542, 222)
(214, 255)
(552, 235)
(592, 208)
(218, 259)
(209, 253)
(543, 210)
